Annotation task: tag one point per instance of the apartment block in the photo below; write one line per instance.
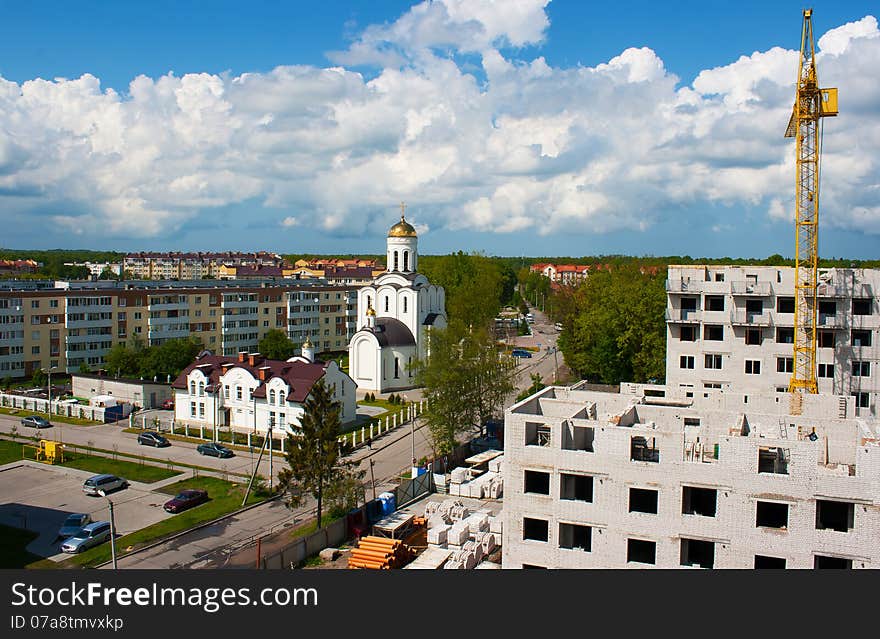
(731, 328)
(70, 324)
(193, 266)
(650, 478)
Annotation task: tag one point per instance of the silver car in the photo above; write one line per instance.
(106, 483)
(73, 524)
(92, 535)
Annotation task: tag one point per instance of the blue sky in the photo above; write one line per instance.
(561, 128)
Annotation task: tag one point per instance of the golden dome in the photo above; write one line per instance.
(307, 343)
(402, 229)
(371, 312)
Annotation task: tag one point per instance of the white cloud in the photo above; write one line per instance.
(532, 149)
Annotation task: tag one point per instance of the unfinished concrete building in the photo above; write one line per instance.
(650, 478)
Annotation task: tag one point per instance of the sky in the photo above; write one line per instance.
(509, 127)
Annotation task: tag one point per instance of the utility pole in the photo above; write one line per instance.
(372, 478)
(271, 423)
(112, 529)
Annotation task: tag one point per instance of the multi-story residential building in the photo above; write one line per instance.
(650, 478)
(70, 324)
(248, 392)
(192, 266)
(732, 328)
(97, 268)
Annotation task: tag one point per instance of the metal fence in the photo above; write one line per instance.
(411, 489)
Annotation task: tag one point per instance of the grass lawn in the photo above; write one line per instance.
(9, 451)
(12, 552)
(21, 412)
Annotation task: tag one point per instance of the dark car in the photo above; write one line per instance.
(519, 352)
(153, 439)
(35, 421)
(168, 404)
(186, 499)
(217, 450)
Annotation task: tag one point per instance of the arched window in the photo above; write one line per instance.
(201, 388)
(369, 301)
(396, 368)
(271, 396)
(192, 388)
(406, 261)
(386, 303)
(281, 397)
(405, 300)
(395, 260)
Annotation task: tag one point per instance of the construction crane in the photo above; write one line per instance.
(810, 105)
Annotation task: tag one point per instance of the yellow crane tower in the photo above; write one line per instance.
(811, 104)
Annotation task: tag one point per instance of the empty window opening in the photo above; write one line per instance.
(773, 460)
(825, 562)
(861, 306)
(714, 332)
(754, 307)
(860, 338)
(640, 451)
(537, 434)
(691, 421)
(862, 399)
(688, 304)
(688, 333)
(575, 537)
(827, 308)
(834, 515)
(396, 368)
(698, 501)
(578, 438)
(825, 339)
(641, 551)
(770, 514)
(785, 335)
(406, 261)
(763, 562)
(535, 529)
(696, 552)
(754, 336)
(576, 487)
(714, 302)
(785, 304)
(536, 482)
(643, 500)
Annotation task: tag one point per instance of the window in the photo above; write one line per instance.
(754, 336)
(641, 551)
(686, 361)
(697, 552)
(773, 460)
(643, 500)
(823, 561)
(719, 277)
(688, 304)
(537, 434)
(754, 307)
(202, 410)
(861, 369)
(785, 305)
(192, 409)
(753, 367)
(713, 361)
(834, 515)
(688, 334)
(238, 392)
(575, 537)
(405, 300)
(763, 562)
(271, 396)
(861, 306)
(577, 437)
(395, 263)
(226, 391)
(784, 335)
(698, 501)
(54, 303)
(714, 302)
(35, 350)
(282, 396)
(386, 303)
(396, 368)
(827, 308)
(536, 482)
(784, 364)
(771, 514)
(406, 260)
(825, 339)
(862, 400)
(713, 332)
(535, 529)
(192, 388)
(201, 388)
(860, 338)
(35, 303)
(576, 487)
(640, 451)
(826, 370)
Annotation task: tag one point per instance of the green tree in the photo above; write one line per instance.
(473, 285)
(466, 381)
(84, 368)
(314, 455)
(276, 345)
(40, 378)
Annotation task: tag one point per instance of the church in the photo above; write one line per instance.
(396, 313)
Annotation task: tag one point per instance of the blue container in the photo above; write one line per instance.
(388, 503)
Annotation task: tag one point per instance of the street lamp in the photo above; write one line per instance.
(48, 371)
(412, 426)
(271, 441)
(112, 529)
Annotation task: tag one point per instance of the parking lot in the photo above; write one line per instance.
(40, 497)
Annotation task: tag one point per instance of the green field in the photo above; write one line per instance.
(12, 550)
(225, 498)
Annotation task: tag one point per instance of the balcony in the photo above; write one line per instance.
(756, 289)
(740, 317)
(683, 286)
(682, 316)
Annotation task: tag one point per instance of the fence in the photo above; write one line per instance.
(382, 426)
(411, 489)
(304, 547)
(63, 408)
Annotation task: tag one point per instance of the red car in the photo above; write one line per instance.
(186, 499)
(168, 404)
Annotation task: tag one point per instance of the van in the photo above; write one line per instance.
(105, 483)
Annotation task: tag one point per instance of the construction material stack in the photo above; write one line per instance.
(379, 553)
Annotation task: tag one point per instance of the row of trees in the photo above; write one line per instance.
(137, 359)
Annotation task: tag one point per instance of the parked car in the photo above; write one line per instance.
(105, 483)
(91, 535)
(168, 404)
(73, 524)
(153, 439)
(519, 352)
(35, 421)
(217, 450)
(557, 326)
(186, 499)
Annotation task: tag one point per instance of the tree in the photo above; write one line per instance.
(466, 381)
(276, 345)
(84, 368)
(473, 283)
(40, 378)
(314, 454)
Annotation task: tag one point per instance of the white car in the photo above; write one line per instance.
(92, 535)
